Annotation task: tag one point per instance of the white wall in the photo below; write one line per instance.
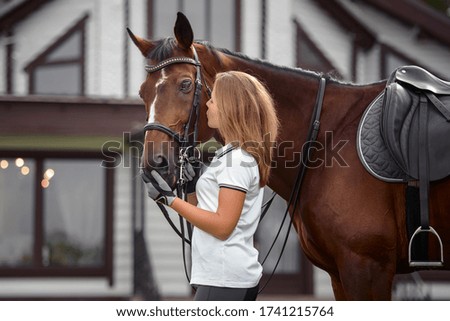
(334, 42)
(251, 28)
(166, 253)
(279, 31)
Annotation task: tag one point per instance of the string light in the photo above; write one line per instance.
(45, 183)
(20, 162)
(49, 173)
(4, 164)
(25, 170)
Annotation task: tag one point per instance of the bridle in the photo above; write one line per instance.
(183, 140)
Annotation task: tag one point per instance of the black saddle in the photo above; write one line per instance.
(415, 122)
(388, 133)
(404, 135)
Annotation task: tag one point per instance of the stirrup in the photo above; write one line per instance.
(425, 263)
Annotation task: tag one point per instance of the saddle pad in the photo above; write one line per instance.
(372, 150)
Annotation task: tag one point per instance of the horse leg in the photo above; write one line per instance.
(363, 278)
(338, 290)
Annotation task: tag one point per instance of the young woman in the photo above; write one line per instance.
(230, 192)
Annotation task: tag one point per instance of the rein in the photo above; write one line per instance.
(313, 131)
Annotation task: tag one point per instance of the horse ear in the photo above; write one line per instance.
(183, 32)
(144, 46)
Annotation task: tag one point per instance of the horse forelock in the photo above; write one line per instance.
(163, 49)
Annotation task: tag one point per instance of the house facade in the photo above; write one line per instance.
(74, 219)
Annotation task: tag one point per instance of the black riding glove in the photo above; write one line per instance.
(191, 174)
(157, 188)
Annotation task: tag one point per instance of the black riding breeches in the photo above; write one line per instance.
(213, 293)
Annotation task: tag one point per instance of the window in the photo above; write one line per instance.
(55, 215)
(216, 21)
(74, 225)
(16, 211)
(59, 70)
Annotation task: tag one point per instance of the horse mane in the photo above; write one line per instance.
(164, 49)
(304, 72)
(296, 70)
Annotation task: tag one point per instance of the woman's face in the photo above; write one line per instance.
(212, 113)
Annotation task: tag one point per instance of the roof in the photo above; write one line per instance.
(8, 5)
(13, 11)
(431, 22)
(364, 37)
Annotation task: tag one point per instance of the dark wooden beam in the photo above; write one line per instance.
(364, 38)
(416, 13)
(37, 115)
(20, 12)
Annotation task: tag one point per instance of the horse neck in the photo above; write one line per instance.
(294, 92)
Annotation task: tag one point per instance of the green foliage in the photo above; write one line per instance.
(440, 5)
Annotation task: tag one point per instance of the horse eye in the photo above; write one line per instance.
(186, 86)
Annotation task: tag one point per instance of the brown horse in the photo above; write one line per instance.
(349, 223)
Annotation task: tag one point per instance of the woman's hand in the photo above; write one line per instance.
(157, 188)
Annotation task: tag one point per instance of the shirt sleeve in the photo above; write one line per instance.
(238, 173)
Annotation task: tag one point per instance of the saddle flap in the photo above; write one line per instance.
(438, 152)
(396, 120)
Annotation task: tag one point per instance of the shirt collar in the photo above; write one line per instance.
(225, 150)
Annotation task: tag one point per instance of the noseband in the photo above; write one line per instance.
(182, 140)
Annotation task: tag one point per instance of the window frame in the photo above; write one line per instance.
(37, 269)
(41, 59)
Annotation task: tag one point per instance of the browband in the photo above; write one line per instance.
(170, 61)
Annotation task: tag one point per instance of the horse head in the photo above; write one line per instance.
(175, 93)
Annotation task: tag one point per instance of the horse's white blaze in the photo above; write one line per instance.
(152, 115)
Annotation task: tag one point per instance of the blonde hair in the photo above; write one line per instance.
(247, 117)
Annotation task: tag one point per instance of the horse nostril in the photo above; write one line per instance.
(161, 162)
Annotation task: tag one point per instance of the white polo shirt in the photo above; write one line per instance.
(234, 262)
